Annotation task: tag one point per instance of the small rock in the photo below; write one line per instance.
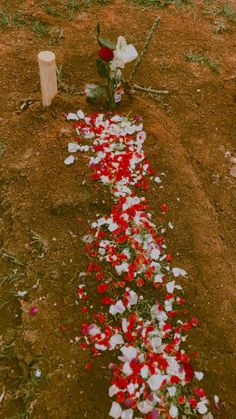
(233, 160)
(233, 171)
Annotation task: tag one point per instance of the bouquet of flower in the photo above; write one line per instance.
(112, 60)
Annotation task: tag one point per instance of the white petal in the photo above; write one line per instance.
(145, 406)
(202, 408)
(116, 340)
(199, 375)
(179, 272)
(115, 411)
(171, 391)
(72, 117)
(113, 390)
(127, 414)
(127, 370)
(72, 147)
(80, 114)
(129, 352)
(69, 160)
(155, 381)
(170, 286)
(173, 411)
(144, 372)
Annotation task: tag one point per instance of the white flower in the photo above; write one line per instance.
(131, 388)
(199, 375)
(113, 390)
(171, 391)
(112, 226)
(69, 160)
(38, 373)
(72, 147)
(127, 414)
(117, 308)
(129, 353)
(179, 272)
(201, 407)
(93, 330)
(132, 298)
(127, 370)
(145, 406)
(156, 380)
(144, 372)
(125, 52)
(80, 114)
(173, 411)
(72, 117)
(170, 286)
(116, 340)
(155, 253)
(115, 411)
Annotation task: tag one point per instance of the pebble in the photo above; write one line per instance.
(233, 171)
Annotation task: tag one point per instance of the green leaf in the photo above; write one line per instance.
(97, 91)
(102, 69)
(106, 43)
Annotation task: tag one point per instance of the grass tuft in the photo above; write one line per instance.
(203, 59)
(4, 19)
(40, 28)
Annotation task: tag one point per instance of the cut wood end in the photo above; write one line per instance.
(46, 57)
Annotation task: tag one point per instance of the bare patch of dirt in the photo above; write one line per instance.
(46, 207)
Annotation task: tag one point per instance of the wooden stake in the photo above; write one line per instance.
(48, 77)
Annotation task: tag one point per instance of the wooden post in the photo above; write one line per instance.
(48, 77)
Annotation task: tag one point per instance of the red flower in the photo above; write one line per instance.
(164, 208)
(188, 372)
(106, 54)
(102, 288)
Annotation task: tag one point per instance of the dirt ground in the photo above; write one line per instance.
(46, 207)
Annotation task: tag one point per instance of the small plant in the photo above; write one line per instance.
(202, 59)
(57, 35)
(220, 27)
(18, 19)
(4, 19)
(112, 60)
(39, 243)
(40, 28)
(51, 10)
(59, 72)
(227, 11)
(71, 8)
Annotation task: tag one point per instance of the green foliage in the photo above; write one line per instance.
(97, 91)
(18, 19)
(202, 59)
(51, 10)
(40, 28)
(227, 11)
(220, 27)
(106, 43)
(102, 68)
(4, 19)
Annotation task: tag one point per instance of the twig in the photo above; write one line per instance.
(145, 47)
(150, 90)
